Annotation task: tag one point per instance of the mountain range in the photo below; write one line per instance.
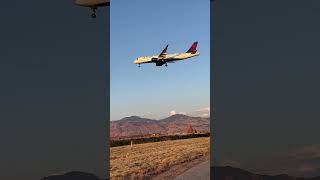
(136, 126)
(217, 173)
(74, 175)
(230, 173)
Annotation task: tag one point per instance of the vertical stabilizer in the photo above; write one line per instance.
(193, 48)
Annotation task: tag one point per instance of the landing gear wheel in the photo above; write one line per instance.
(166, 64)
(93, 15)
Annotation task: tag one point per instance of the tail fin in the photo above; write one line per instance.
(193, 48)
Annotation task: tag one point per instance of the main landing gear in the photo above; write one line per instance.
(166, 64)
(139, 65)
(93, 15)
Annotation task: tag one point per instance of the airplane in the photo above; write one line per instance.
(165, 58)
(93, 4)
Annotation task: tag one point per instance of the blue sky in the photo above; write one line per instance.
(145, 27)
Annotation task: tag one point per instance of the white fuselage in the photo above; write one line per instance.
(168, 57)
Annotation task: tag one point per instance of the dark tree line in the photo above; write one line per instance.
(124, 142)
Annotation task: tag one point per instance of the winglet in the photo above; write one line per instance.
(193, 48)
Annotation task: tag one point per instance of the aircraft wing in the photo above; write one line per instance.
(163, 53)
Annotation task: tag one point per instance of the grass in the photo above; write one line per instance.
(143, 161)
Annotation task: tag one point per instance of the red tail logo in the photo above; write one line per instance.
(193, 48)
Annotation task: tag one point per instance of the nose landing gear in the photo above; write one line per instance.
(166, 64)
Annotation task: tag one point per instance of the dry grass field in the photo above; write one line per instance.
(142, 161)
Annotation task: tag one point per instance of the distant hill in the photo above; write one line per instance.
(137, 126)
(230, 173)
(75, 175)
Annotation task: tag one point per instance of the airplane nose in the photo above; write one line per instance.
(137, 61)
